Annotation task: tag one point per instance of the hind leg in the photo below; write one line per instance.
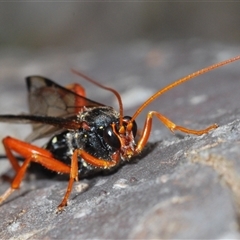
(30, 153)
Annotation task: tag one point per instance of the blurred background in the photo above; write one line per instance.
(90, 25)
(135, 47)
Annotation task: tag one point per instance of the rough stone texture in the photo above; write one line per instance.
(181, 186)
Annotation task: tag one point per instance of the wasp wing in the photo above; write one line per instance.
(59, 122)
(47, 98)
(52, 107)
(51, 124)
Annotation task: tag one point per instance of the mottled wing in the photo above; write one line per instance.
(52, 107)
(46, 98)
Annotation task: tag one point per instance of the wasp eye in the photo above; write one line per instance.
(111, 138)
(126, 120)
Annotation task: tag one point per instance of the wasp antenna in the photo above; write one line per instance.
(180, 81)
(106, 88)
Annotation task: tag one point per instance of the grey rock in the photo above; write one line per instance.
(181, 186)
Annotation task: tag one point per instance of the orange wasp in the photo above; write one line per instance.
(87, 136)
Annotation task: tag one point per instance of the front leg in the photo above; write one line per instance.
(91, 160)
(170, 125)
(73, 176)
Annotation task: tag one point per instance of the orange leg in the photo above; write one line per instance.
(31, 153)
(169, 124)
(100, 163)
(78, 89)
(73, 176)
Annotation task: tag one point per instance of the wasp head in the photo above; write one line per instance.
(122, 137)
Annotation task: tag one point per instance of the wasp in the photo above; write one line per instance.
(85, 136)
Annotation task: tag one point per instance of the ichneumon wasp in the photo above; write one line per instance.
(86, 136)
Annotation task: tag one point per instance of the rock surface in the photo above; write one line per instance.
(181, 186)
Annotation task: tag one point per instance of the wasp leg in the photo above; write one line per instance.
(170, 125)
(78, 89)
(31, 153)
(73, 176)
(101, 163)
